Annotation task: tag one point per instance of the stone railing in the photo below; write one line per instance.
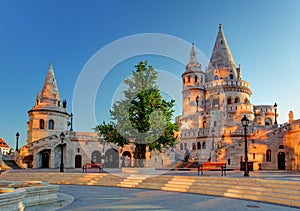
(19, 195)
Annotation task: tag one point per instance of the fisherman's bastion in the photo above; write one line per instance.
(214, 100)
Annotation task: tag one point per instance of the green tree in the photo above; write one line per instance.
(143, 117)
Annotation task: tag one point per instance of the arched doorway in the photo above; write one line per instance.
(78, 161)
(281, 161)
(96, 157)
(45, 158)
(111, 158)
(127, 159)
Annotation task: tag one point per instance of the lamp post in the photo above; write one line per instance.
(71, 116)
(197, 101)
(17, 141)
(62, 137)
(245, 122)
(275, 106)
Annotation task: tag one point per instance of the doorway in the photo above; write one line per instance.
(78, 161)
(45, 160)
(281, 160)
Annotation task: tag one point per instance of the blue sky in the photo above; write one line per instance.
(263, 37)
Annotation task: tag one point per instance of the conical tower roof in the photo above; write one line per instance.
(50, 90)
(221, 56)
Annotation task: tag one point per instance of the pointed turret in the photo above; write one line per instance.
(221, 64)
(50, 90)
(221, 55)
(193, 64)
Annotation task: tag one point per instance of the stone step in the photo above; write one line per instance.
(279, 192)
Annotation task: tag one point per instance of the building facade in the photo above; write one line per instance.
(4, 148)
(213, 103)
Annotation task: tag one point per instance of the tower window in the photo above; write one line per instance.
(189, 79)
(203, 145)
(230, 76)
(222, 42)
(198, 145)
(196, 79)
(51, 125)
(42, 124)
(237, 100)
(268, 155)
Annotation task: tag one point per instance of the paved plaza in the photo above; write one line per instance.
(73, 197)
(82, 198)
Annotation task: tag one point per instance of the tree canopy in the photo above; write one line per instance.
(143, 117)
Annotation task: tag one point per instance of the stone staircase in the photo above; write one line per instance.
(11, 164)
(272, 191)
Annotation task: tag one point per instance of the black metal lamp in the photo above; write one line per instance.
(62, 137)
(245, 123)
(17, 141)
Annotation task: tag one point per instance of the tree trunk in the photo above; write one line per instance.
(139, 155)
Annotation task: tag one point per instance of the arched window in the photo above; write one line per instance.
(204, 124)
(51, 125)
(189, 79)
(216, 77)
(231, 76)
(281, 147)
(196, 79)
(237, 100)
(194, 146)
(229, 101)
(268, 155)
(203, 145)
(183, 80)
(181, 146)
(42, 124)
(246, 100)
(198, 145)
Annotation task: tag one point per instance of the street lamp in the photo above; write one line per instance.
(17, 141)
(197, 101)
(71, 116)
(275, 106)
(245, 122)
(62, 137)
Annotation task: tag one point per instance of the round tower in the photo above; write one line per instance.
(49, 115)
(193, 91)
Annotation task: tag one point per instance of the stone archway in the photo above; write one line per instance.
(127, 158)
(45, 158)
(111, 158)
(281, 161)
(96, 156)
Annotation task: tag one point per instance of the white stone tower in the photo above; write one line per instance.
(49, 115)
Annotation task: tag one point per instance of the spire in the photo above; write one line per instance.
(50, 90)
(221, 55)
(193, 64)
(193, 55)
